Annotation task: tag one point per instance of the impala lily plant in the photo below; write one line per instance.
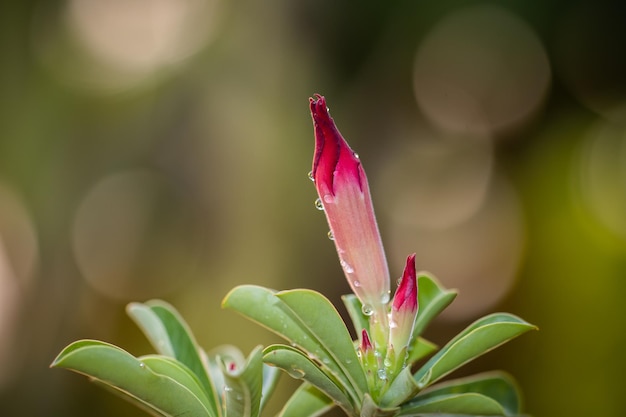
(390, 370)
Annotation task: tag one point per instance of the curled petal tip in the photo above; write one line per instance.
(406, 294)
(366, 344)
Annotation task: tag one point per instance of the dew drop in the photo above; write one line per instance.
(356, 155)
(385, 298)
(393, 324)
(357, 283)
(310, 175)
(398, 281)
(347, 268)
(319, 205)
(367, 309)
(330, 235)
(382, 374)
(296, 373)
(387, 362)
(329, 199)
(326, 361)
(142, 365)
(227, 389)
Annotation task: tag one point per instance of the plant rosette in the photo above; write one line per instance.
(373, 376)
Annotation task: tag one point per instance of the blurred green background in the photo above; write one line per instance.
(160, 148)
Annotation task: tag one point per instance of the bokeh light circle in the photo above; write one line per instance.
(19, 256)
(602, 175)
(480, 70)
(462, 219)
(114, 45)
(134, 236)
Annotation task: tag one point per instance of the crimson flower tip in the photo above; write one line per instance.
(406, 294)
(366, 344)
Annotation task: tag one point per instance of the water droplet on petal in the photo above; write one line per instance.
(346, 267)
(356, 155)
(367, 309)
(310, 175)
(330, 235)
(385, 298)
(393, 324)
(398, 281)
(357, 283)
(319, 205)
(329, 199)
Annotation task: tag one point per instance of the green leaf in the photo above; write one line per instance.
(432, 298)
(171, 394)
(354, 308)
(371, 409)
(323, 321)
(270, 379)
(295, 363)
(480, 337)
(468, 404)
(170, 335)
(308, 320)
(496, 384)
(306, 401)
(243, 387)
(401, 389)
(177, 371)
(420, 349)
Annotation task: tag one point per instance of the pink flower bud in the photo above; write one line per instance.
(404, 308)
(344, 193)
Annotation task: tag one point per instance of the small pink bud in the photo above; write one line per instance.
(366, 344)
(403, 311)
(406, 294)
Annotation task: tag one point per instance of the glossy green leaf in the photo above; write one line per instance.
(371, 409)
(308, 320)
(354, 308)
(243, 387)
(177, 371)
(420, 349)
(496, 385)
(402, 388)
(271, 375)
(295, 363)
(131, 377)
(467, 404)
(480, 337)
(170, 335)
(323, 320)
(306, 401)
(433, 298)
